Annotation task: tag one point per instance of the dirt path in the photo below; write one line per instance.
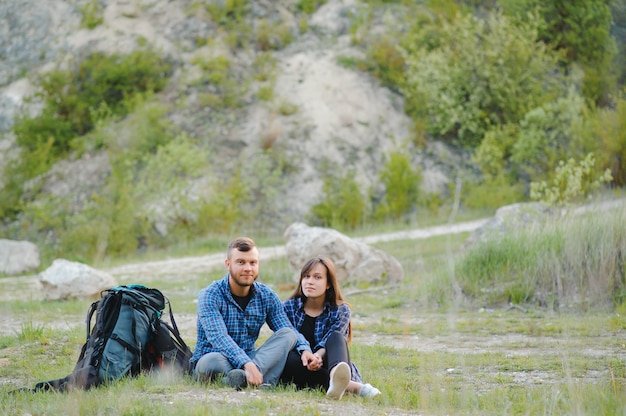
(202, 264)
(29, 288)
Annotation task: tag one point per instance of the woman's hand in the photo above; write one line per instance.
(313, 362)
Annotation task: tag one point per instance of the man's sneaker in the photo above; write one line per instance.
(236, 378)
(367, 390)
(339, 379)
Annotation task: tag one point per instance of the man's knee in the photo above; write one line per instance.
(211, 365)
(288, 335)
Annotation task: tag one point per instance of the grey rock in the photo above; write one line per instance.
(66, 279)
(508, 219)
(355, 262)
(17, 257)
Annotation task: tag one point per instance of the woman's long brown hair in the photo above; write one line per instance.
(333, 293)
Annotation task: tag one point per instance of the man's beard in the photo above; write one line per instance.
(240, 282)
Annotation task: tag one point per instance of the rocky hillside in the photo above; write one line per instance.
(339, 119)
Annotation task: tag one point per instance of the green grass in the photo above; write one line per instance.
(572, 260)
(411, 379)
(427, 353)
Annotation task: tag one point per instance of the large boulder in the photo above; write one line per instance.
(66, 279)
(508, 219)
(355, 262)
(17, 257)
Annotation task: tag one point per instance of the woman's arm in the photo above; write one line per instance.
(339, 322)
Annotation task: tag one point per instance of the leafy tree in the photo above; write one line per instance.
(548, 134)
(581, 30)
(480, 73)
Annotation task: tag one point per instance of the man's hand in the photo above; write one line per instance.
(253, 375)
(312, 362)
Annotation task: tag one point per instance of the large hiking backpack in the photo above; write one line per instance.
(128, 337)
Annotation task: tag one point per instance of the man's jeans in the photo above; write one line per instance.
(270, 358)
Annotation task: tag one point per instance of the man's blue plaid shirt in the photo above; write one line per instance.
(225, 328)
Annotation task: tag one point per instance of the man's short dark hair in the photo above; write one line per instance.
(244, 244)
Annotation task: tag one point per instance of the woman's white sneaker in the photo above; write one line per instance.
(339, 380)
(367, 390)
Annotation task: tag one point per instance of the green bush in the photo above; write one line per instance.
(264, 67)
(70, 96)
(92, 15)
(250, 195)
(267, 187)
(343, 206)
(548, 134)
(513, 155)
(401, 181)
(73, 100)
(478, 73)
(494, 150)
(386, 62)
(151, 167)
(572, 182)
(309, 6)
(29, 164)
(272, 36)
(143, 132)
(223, 211)
(228, 13)
(222, 86)
(580, 30)
(492, 192)
(609, 130)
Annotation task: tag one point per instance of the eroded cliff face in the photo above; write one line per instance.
(341, 118)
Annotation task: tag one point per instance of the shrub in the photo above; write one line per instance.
(383, 59)
(244, 201)
(267, 187)
(609, 130)
(401, 182)
(492, 192)
(580, 31)
(343, 206)
(286, 108)
(264, 67)
(92, 15)
(386, 62)
(151, 167)
(223, 210)
(309, 6)
(549, 133)
(477, 74)
(29, 164)
(572, 182)
(228, 13)
(143, 132)
(272, 36)
(223, 87)
(70, 97)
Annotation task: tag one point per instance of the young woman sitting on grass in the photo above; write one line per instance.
(319, 313)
